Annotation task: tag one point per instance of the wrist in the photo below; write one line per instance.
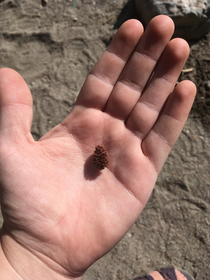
(18, 263)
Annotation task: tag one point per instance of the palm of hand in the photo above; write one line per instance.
(54, 194)
(64, 193)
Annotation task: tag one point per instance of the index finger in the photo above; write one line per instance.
(101, 80)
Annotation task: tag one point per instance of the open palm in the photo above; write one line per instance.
(57, 206)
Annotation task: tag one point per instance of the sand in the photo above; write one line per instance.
(53, 46)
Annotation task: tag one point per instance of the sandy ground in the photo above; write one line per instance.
(53, 46)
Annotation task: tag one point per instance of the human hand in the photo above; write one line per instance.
(60, 212)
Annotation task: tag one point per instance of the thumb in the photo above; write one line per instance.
(15, 105)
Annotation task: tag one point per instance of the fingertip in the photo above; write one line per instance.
(186, 90)
(132, 27)
(13, 88)
(175, 55)
(128, 35)
(15, 105)
(180, 47)
(181, 101)
(156, 36)
(8, 74)
(163, 20)
(162, 25)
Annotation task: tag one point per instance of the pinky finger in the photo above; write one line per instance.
(164, 134)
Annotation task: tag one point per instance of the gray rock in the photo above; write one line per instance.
(191, 17)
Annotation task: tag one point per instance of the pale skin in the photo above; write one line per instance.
(61, 214)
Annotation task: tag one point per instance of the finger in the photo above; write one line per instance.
(15, 104)
(147, 109)
(99, 83)
(162, 137)
(140, 66)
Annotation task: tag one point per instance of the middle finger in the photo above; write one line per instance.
(139, 67)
